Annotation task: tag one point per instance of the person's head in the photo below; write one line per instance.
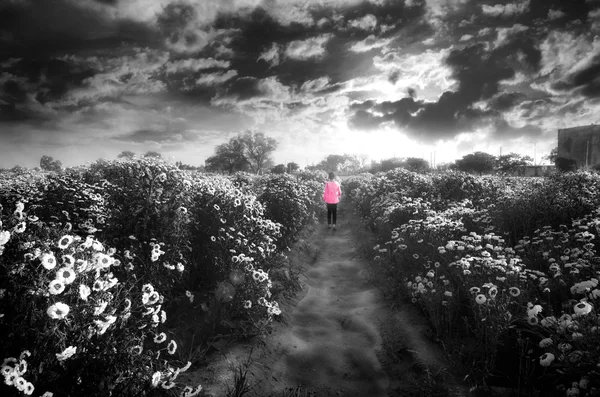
(331, 176)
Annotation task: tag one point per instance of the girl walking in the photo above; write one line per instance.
(331, 196)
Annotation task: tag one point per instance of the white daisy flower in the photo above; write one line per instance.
(56, 287)
(84, 292)
(4, 237)
(156, 378)
(160, 338)
(20, 227)
(58, 311)
(64, 242)
(98, 285)
(66, 275)
(147, 289)
(102, 261)
(546, 359)
(29, 388)
(67, 353)
(153, 298)
(48, 260)
(172, 347)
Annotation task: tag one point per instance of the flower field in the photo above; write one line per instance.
(505, 269)
(115, 276)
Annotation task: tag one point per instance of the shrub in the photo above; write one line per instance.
(163, 254)
(505, 269)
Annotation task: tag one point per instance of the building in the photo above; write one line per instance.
(537, 170)
(581, 144)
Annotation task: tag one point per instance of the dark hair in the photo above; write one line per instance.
(331, 176)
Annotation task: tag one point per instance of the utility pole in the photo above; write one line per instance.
(534, 153)
(587, 150)
(500, 150)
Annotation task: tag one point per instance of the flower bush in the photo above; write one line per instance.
(68, 324)
(111, 273)
(290, 202)
(506, 269)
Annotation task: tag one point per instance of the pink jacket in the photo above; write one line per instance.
(332, 192)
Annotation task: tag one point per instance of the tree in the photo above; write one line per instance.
(152, 154)
(247, 151)
(279, 169)
(565, 164)
(126, 154)
(47, 163)
(415, 164)
(187, 167)
(477, 162)
(362, 159)
(387, 165)
(339, 162)
(228, 157)
(292, 167)
(445, 166)
(512, 162)
(552, 156)
(257, 149)
(18, 169)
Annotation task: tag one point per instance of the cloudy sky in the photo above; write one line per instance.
(85, 79)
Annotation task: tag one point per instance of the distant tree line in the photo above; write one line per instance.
(251, 151)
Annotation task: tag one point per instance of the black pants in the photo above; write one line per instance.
(331, 212)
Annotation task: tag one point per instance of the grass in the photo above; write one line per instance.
(241, 384)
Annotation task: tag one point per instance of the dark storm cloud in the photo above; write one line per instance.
(479, 73)
(365, 120)
(263, 47)
(51, 78)
(39, 38)
(540, 11)
(47, 28)
(391, 16)
(506, 100)
(164, 135)
(9, 112)
(502, 129)
(445, 118)
(242, 88)
(585, 80)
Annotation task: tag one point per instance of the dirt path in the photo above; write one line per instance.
(332, 339)
(331, 342)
